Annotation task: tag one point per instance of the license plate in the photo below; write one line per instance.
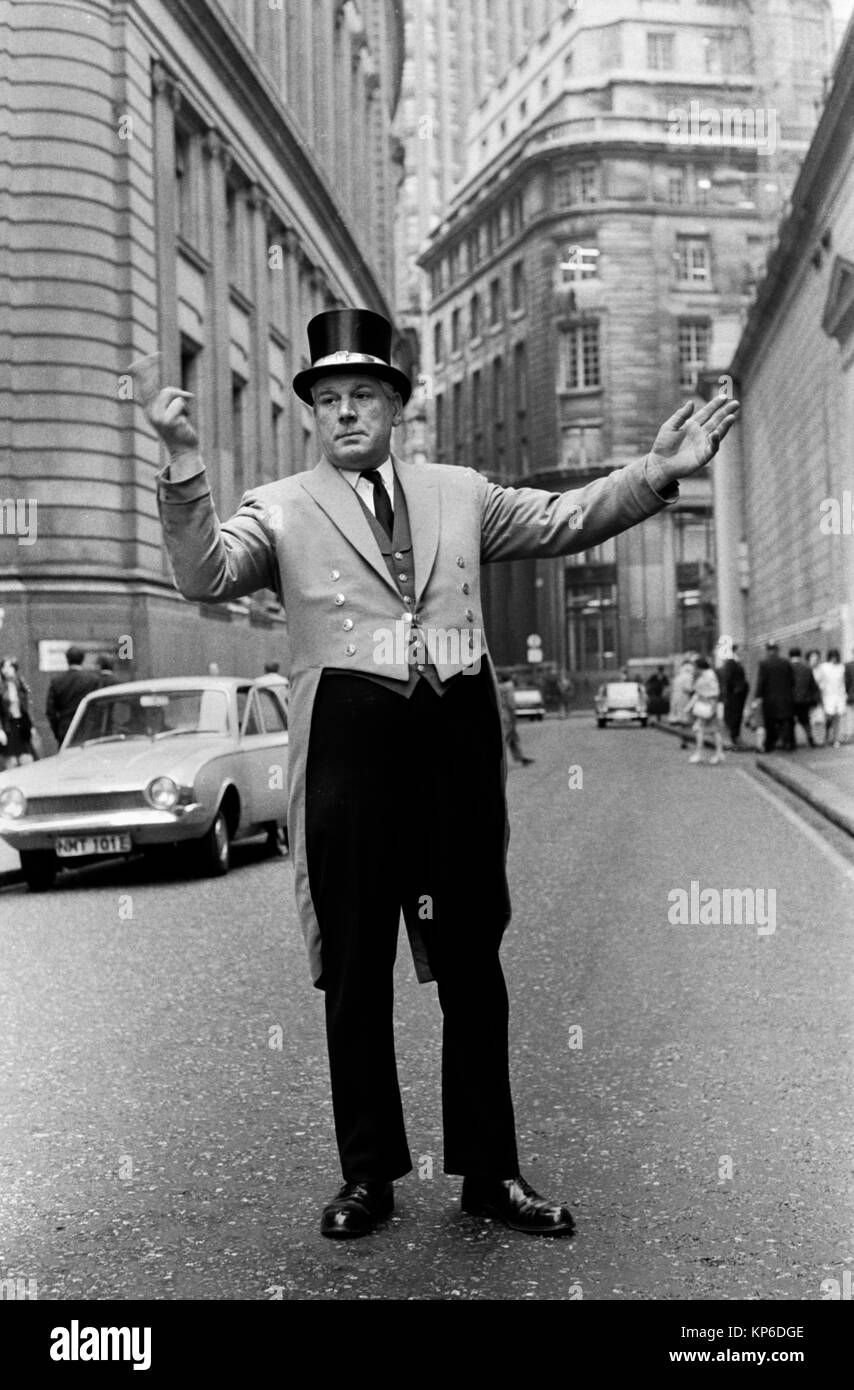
(622, 714)
(68, 846)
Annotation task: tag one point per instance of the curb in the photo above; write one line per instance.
(833, 805)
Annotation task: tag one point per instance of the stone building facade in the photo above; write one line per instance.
(202, 178)
(784, 481)
(624, 183)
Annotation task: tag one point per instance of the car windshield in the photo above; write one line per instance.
(152, 714)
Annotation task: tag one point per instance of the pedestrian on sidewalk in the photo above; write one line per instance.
(397, 768)
(506, 695)
(680, 700)
(735, 688)
(774, 687)
(830, 676)
(67, 690)
(16, 724)
(657, 699)
(707, 711)
(805, 693)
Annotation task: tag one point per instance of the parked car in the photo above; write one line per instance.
(152, 763)
(620, 702)
(528, 703)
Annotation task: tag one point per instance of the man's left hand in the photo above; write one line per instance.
(687, 442)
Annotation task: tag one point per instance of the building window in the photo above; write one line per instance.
(238, 433)
(440, 426)
(693, 260)
(577, 185)
(516, 214)
(591, 620)
(496, 301)
(717, 53)
(568, 65)
(579, 356)
(676, 187)
(588, 183)
(455, 331)
(474, 316)
(436, 280)
(277, 422)
(579, 263)
(185, 224)
(497, 406)
(523, 109)
(581, 446)
(659, 51)
(520, 377)
(457, 421)
(517, 286)
(477, 416)
(438, 344)
(544, 87)
(693, 351)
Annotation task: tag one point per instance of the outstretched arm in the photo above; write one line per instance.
(531, 523)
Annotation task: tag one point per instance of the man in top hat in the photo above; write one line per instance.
(396, 768)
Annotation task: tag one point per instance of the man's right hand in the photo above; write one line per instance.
(165, 408)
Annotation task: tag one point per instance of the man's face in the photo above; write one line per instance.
(355, 419)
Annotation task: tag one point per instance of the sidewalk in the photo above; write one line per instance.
(823, 777)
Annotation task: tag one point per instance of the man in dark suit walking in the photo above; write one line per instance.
(734, 687)
(775, 687)
(67, 690)
(396, 772)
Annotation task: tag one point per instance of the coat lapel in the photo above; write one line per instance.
(422, 501)
(337, 498)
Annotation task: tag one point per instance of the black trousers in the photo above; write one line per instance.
(405, 810)
(734, 713)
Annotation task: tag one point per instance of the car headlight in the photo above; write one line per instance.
(13, 803)
(163, 793)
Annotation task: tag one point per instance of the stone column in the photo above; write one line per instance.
(260, 443)
(167, 100)
(218, 366)
(296, 336)
(726, 471)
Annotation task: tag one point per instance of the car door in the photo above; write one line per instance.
(253, 758)
(272, 794)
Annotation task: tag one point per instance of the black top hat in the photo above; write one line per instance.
(350, 340)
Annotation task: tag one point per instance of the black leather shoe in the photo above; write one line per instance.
(515, 1202)
(357, 1209)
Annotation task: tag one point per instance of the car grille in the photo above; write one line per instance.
(85, 803)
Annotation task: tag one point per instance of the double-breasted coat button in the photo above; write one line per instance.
(407, 599)
(469, 615)
(465, 588)
(339, 599)
(398, 555)
(461, 562)
(403, 578)
(347, 624)
(350, 649)
(334, 574)
(407, 617)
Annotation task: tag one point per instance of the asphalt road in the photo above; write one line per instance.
(166, 1128)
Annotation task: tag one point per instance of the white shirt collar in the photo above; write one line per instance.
(354, 478)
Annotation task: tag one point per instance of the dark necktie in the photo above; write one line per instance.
(382, 505)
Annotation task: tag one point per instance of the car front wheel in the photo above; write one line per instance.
(600, 723)
(214, 850)
(39, 867)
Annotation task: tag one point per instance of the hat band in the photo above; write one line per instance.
(344, 357)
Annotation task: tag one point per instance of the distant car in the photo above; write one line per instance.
(152, 763)
(528, 704)
(620, 702)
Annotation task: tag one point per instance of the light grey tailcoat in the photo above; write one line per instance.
(306, 538)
